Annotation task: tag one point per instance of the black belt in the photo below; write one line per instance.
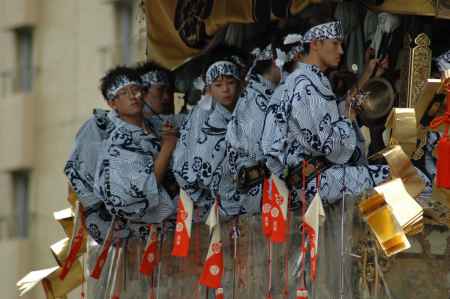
(170, 184)
(315, 165)
(249, 177)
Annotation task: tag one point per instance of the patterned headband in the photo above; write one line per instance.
(221, 68)
(120, 82)
(297, 41)
(331, 30)
(155, 77)
(265, 54)
(443, 61)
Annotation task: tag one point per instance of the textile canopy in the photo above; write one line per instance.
(179, 29)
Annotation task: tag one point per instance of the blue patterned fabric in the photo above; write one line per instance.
(244, 135)
(125, 177)
(443, 61)
(309, 121)
(80, 167)
(306, 120)
(430, 160)
(80, 171)
(330, 30)
(273, 129)
(200, 164)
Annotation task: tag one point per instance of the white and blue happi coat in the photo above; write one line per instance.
(244, 135)
(80, 171)
(158, 121)
(309, 123)
(125, 178)
(271, 129)
(199, 160)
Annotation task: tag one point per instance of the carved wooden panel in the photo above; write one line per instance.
(419, 68)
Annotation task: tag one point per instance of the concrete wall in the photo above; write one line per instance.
(73, 44)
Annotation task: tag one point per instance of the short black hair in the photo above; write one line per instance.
(149, 66)
(111, 76)
(223, 52)
(306, 48)
(262, 66)
(228, 53)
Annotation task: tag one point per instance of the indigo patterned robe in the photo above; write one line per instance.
(244, 135)
(309, 122)
(125, 178)
(199, 159)
(80, 171)
(272, 129)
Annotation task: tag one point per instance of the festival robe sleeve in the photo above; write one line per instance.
(359, 156)
(273, 141)
(81, 165)
(184, 165)
(127, 181)
(325, 132)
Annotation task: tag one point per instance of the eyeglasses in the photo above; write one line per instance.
(130, 91)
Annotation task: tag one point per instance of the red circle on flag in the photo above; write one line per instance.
(179, 227)
(214, 270)
(275, 212)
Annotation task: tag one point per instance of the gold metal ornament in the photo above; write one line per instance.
(53, 286)
(391, 213)
(401, 167)
(66, 219)
(60, 250)
(419, 68)
(403, 129)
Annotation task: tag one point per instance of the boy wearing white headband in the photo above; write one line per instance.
(245, 156)
(312, 125)
(134, 159)
(199, 157)
(158, 91)
(293, 43)
(81, 166)
(158, 96)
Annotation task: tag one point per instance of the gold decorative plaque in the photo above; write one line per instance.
(419, 68)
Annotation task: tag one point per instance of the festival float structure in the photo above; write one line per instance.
(389, 243)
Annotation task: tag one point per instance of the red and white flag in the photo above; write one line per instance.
(183, 227)
(219, 293)
(150, 258)
(279, 211)
(104, 250)
(211, 276)
(301, 293)
(266, 207)
(313, 219)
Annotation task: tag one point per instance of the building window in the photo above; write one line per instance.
(124, 28)
(24, 48)
(20, 181)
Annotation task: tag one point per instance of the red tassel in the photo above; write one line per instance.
(443, 149)
(443, 163)
(77, 242)
(266, 208)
